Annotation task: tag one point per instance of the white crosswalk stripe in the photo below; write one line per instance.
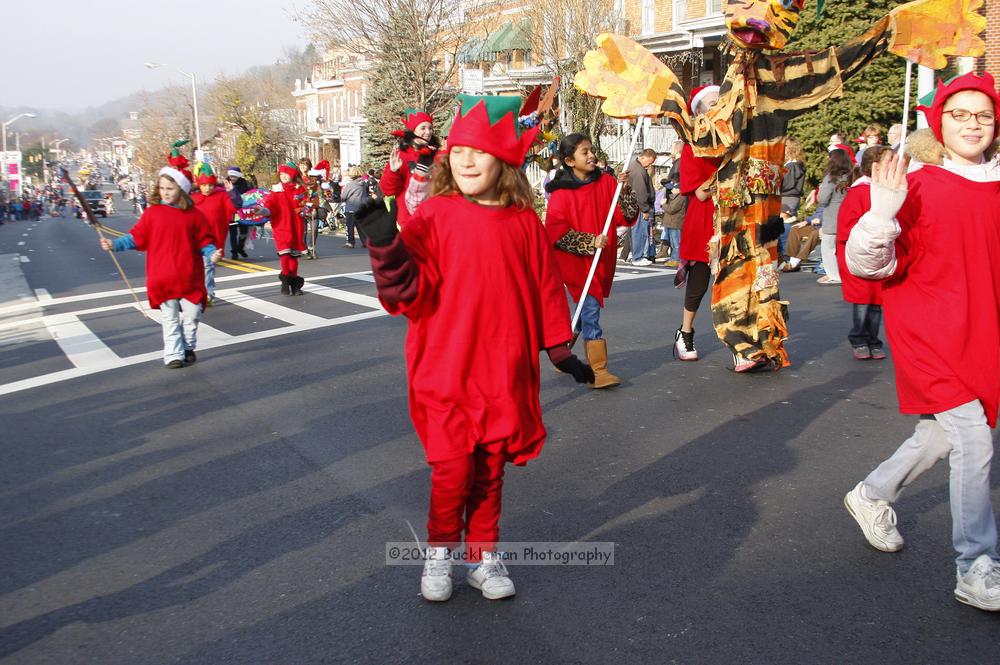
(89, 354)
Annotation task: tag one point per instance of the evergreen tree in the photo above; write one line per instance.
(873, 97)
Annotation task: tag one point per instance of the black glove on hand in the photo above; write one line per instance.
(579, 371)
(377, 222)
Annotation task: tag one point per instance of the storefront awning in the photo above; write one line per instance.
(512, 36)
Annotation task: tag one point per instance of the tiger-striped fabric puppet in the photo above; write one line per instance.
(761, 93)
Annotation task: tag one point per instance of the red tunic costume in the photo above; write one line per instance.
(942, 304)
(488, 300)
(218, 209)
(856, 290)
(699, 220)
(173, 239)
(286, 221)
(585, 208)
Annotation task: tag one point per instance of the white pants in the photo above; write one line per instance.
(963, 436)
(828, 248)
(180, 328)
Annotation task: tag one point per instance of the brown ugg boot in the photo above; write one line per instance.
(597, 354)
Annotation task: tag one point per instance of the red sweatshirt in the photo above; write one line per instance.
(856, 289)
(286, 221)
(219, 211)
(942, 305)
(172, 239)
(699, 220)
(583, 207)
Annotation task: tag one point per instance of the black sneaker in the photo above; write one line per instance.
(189, 357)
(175, 364)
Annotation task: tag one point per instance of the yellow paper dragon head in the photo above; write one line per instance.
(762, 24)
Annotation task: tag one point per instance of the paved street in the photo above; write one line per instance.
(237, 511)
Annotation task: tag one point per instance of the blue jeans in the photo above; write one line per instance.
(640, 236)
(180, 328)
(673, 237)
(963, 436)
(590, 318)
(209, 277)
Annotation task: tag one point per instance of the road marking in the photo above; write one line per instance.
(207, 335)
(82, 347)
(25, 259)
(20, 244)
(340, 294)
(234, 263)
(76, 372)
(269, 309)
(42, 295)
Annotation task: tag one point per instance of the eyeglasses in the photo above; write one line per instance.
(983, 117)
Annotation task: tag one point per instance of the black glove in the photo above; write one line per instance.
(580, 371)
(377, 222)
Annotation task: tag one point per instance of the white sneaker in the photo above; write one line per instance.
(642, 262)
(684, 345)
(741, 364)
(491, 577)
(980, 587)
(435, 583)
(877, 520)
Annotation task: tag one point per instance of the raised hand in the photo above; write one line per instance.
(377, 221)
(395, 161)
(888, 186)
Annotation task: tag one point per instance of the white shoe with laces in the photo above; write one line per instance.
(435, 583)
(877, 520)
(491, 577)
(684, 345)
(980, 587)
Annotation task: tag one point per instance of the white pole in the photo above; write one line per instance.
(607, 225)
(906, 107)
(194, 97)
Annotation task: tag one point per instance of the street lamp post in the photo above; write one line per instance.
(3, 130)
(194, 97)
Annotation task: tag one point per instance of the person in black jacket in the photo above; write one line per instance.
(237, 232)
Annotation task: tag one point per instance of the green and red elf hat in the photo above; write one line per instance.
(204, 175)
(933, 108)
(290, 169)
(413, 117)
(491, 124)
(177, 169)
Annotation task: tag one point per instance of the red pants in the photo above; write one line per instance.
(465, 495)
(289, 264)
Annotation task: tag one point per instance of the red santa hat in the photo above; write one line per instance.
(842, 146)
(984, 84)
(699, 94)
(491, 124)
(321, 169)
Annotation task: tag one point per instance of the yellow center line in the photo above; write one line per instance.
(244, 265)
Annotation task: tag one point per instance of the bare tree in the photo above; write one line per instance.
(418, 39)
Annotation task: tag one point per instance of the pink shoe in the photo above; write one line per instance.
(863, 353)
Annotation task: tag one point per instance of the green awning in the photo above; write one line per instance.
(512, 36)
(471, 51)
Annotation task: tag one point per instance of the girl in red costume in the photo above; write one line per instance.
(175, 237)
(933, 238)
(864, 294)
(407, 174)
(579, 198)
(697, 180)
(475, 332)
(216, 205)
(284, 206)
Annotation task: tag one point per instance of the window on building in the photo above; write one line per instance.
(648, 17)
(715, 6)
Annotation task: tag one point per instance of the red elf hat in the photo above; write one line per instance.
(984, 84)
(490, 124)
(289, 169)
(413, 117)
(203, 174)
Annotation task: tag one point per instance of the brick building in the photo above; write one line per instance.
(992, 59)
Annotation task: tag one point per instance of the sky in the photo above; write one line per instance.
(80, 53)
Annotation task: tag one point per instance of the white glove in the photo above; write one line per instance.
(886, 202)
